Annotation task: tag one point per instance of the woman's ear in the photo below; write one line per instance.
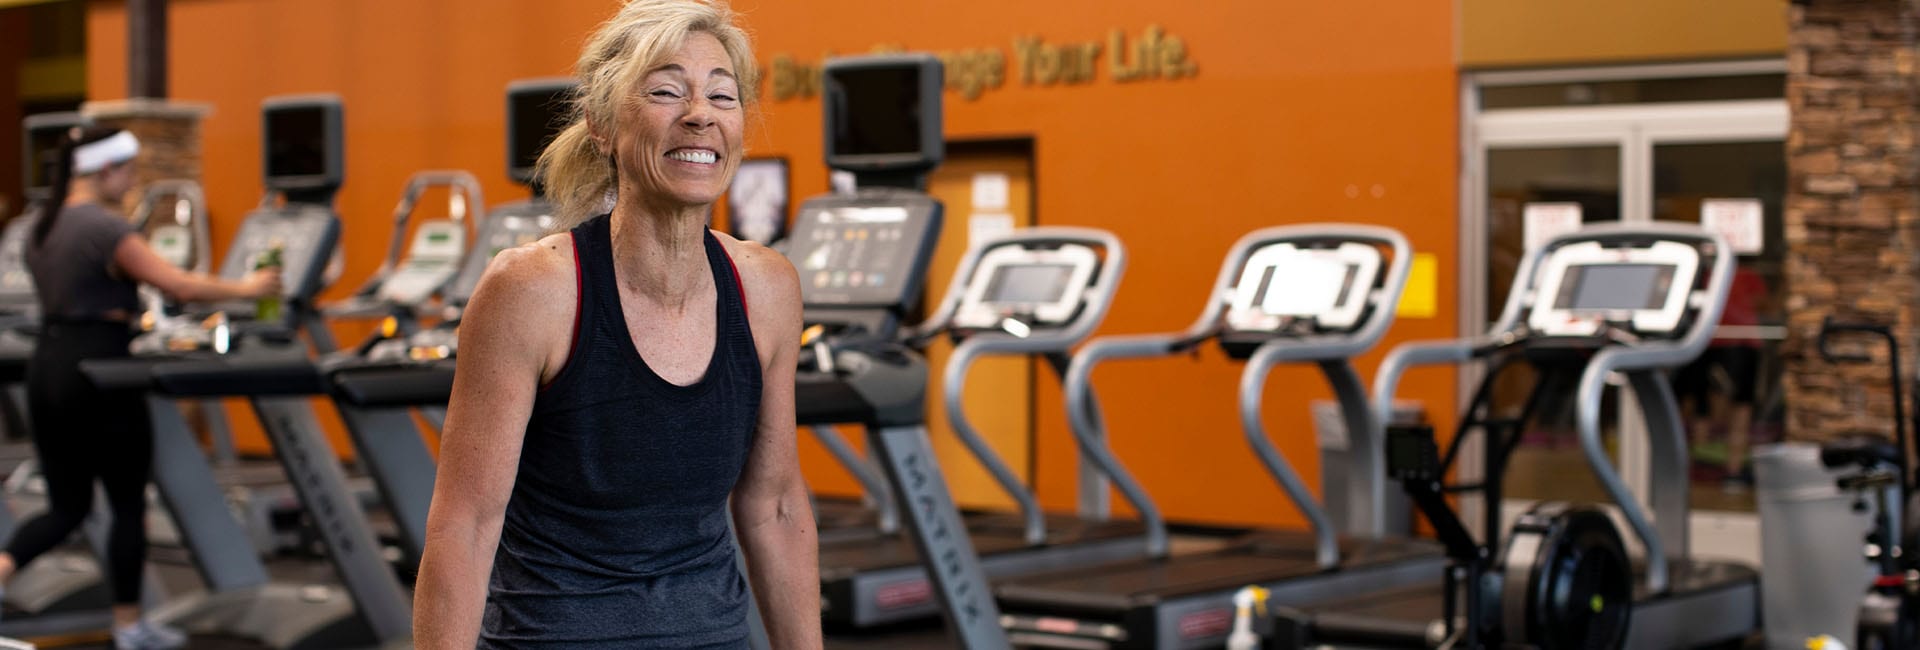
(600, 141)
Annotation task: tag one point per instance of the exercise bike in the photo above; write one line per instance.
(1879, 477)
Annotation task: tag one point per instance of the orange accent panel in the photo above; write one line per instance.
(1298, 112)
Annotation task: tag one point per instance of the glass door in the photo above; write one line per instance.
(1545, 169)
(1532, 191)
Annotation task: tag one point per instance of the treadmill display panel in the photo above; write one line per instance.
(1039, 286)
(306, 238)
(1615, 287)
(1029, 283)
(854, 254)
(1584, 283)
(1282, 282)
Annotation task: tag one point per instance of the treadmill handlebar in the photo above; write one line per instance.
(1097, 298)
(1352, 397)
(1089, 427)
(954, 380)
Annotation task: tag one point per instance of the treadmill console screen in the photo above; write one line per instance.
(303, 144)
(1282, 282)
(1039, 286)
(851, 251)
(1016, 284)
(1615, 287)
(1584, 284)
(883, 112)
(536, 112)
(306, 237)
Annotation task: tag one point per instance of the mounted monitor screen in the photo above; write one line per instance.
(883, 113)
(536, 112)
(1584, 283)
(303, 144)
(42, 147)
(851, 254)
(1282, 282)
(1038, 286)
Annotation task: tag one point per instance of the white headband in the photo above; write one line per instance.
(95, 156)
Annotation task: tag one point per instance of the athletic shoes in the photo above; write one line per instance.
(147, 635)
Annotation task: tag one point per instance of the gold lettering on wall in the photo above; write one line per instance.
(1149, 55)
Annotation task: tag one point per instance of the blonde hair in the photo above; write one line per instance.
(642, 36)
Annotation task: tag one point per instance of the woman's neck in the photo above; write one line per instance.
(82, 192)
(661, 253)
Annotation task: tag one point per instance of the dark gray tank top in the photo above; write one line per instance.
(72, 269)
(616, 533)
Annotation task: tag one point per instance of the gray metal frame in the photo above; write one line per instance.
(1365, 490)
(1043, 341)
(873, 484)
(1364, 493)
(183, 190)
(364, 301)
(973, 619)
(1668, 437)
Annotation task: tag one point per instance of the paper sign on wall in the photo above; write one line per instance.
(1741, 221)
(990, 191)
(980, 227)
(1544, 221)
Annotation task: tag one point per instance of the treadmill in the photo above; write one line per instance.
(304, 164)
(1626, 300)
(406, 369)
(874, 580)
(1341, 286)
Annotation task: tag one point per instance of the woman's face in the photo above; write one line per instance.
(678, 137)
(115, 181)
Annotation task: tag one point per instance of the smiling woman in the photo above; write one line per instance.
(631, 80)
(623, 383)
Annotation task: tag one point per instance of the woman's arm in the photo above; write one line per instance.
(134, 256)
(516, 333)
(771, 508)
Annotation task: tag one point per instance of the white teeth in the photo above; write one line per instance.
(694, 156)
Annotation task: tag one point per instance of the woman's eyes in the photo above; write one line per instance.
(664, 94)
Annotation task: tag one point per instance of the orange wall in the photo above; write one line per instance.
(1299, 111)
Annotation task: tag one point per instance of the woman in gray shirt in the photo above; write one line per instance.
(86, 262)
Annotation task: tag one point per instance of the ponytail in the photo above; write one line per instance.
(576, 176)
(62, 176)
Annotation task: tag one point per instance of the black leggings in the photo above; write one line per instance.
(81, 433)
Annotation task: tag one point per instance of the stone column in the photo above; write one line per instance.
(1853, 204)
(169, 133)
